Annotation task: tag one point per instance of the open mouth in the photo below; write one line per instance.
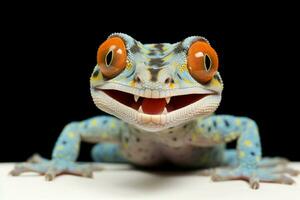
(154, 106)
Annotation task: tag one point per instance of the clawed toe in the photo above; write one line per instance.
(255, 176)
(27, 167)
(254, 182)
(272, 162)
(286, 180)
(88, 174)
(49, 176)
(15, 172)
(53, 168)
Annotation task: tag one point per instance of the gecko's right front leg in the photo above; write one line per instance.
(66, 149)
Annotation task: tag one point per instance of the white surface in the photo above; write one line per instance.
(121, 182)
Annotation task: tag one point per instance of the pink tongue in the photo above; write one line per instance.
(153, 106)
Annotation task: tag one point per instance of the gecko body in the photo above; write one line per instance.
(162, 98)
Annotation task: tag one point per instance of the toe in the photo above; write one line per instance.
(254, 183)
(87, 173)
(36, 158)
(49, 177)
(269, 162)
(51, 173)
(276, 178)
(225, 174)
(28, 167)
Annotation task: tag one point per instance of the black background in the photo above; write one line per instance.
(51, 54)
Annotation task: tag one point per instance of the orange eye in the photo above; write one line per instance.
(111, 57)
(202, 61)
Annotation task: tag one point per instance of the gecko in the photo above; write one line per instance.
(161, 99)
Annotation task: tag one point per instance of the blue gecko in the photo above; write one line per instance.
(162, 98)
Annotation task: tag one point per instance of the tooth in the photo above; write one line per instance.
(136, 98)
(165, 111)
(140, 109)
(148, 93)
(168, 99)
(155, 119)
(155, 94)
(146, 118)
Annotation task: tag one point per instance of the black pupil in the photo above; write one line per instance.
(108, 58)
(207, 62)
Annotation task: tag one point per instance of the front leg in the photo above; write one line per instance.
(222, 129)
(66, 150)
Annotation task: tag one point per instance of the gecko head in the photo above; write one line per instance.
(156, 86)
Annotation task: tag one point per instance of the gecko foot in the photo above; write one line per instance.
(53, 168)
(278, 174)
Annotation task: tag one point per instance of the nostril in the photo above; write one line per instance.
(169, 80)
(137, 79)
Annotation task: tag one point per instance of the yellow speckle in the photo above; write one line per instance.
(94, 122)
(231, 136)
(112, 125)
(216, 137)
(81, 124)
(95, 77)
(59, 147)
(248, 143)
(128, 65)
(59, 156)
(145, 51)
(182, 68)
(132, 83)
(214, 83)
(187, 81)
(258, 158)
(209, 122)
(165, 48)
(166, 58)
(241, 154)
(238, 122)
(176, 64)
(250, 125)
(125, 145)
(199, 129)
(172, 85)
(71, 134)
(219, 120)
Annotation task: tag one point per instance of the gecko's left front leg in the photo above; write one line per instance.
(224, 128)
(66, 150)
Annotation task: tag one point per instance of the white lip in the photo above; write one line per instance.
(204, 106)
(155, 93)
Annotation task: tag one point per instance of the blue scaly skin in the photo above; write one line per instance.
(163, 97)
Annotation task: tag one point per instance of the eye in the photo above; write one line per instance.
(111, 57)
(202, 62)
